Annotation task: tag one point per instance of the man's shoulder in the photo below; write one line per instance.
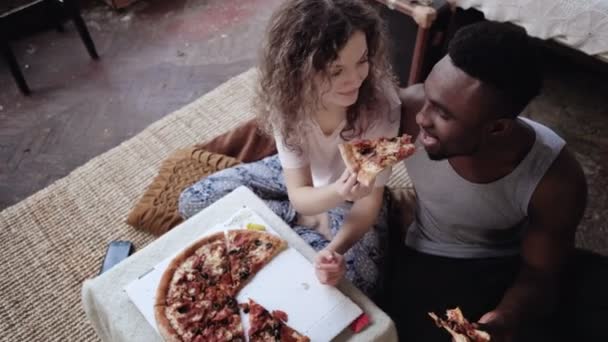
(563, 185)
(566, 170)
(389, 94)
(412, 100)
(546, 133)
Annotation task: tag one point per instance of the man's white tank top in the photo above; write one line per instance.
(459, 219)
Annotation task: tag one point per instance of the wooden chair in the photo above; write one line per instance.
(58, 10)
(430, 17)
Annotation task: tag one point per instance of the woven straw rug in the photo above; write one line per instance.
(55, 239)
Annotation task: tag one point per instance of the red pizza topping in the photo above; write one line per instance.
(249, 251)
(364, 147)
(280, 315)
(270, 327)
(256, 310)
(369, 157)
(458, 326)
(195, 300)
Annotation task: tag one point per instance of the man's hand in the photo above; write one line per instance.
(329, 267)
(500, 325)
(349, 189)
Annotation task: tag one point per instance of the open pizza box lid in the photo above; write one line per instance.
(287, 283)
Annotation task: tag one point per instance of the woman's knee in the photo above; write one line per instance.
(189, 203)
(204, 193)
(197, 197)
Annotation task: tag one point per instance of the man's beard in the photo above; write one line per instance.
(441, 155)
(436, 156)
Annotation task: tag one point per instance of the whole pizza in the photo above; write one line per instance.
(196, 296)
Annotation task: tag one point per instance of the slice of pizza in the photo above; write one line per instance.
(196, 285)
(249, 251)
(225, 325)
(265, 327)
(369, 157)
(459, 327)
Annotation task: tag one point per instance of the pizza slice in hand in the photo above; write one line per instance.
(459, 327)
(265, 327)
(249, 251)
(369, 157)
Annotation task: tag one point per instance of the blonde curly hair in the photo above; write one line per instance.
(303, 38)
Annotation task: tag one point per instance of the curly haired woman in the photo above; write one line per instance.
(324, 80)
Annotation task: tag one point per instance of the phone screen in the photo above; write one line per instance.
(117, 252)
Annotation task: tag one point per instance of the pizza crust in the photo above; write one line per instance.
(349, 157)
(368, 173)
(164, 326)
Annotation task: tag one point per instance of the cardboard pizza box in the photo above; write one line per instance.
(287, 283)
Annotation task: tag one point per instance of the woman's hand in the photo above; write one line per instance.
(329, 267)
(349, 189)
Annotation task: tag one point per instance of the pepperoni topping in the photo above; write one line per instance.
(280, 315)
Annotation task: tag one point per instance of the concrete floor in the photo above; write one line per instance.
(157, 56)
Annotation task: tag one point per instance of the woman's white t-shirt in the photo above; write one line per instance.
(321, 153)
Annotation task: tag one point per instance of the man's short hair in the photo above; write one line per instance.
(500, 55)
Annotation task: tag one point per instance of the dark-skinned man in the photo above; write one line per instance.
(498, 196)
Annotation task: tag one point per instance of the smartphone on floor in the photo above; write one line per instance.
(117, 251)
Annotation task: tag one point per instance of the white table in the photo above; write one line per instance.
(115, 318)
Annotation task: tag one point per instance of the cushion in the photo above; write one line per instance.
(157, 210)
(245, 143)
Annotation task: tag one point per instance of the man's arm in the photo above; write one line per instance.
(555, 210)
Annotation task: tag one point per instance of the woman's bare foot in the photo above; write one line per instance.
(319, 223)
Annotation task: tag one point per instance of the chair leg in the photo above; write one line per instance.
(14, 66)
(54, 9)
(82, 28)
(422, 37)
